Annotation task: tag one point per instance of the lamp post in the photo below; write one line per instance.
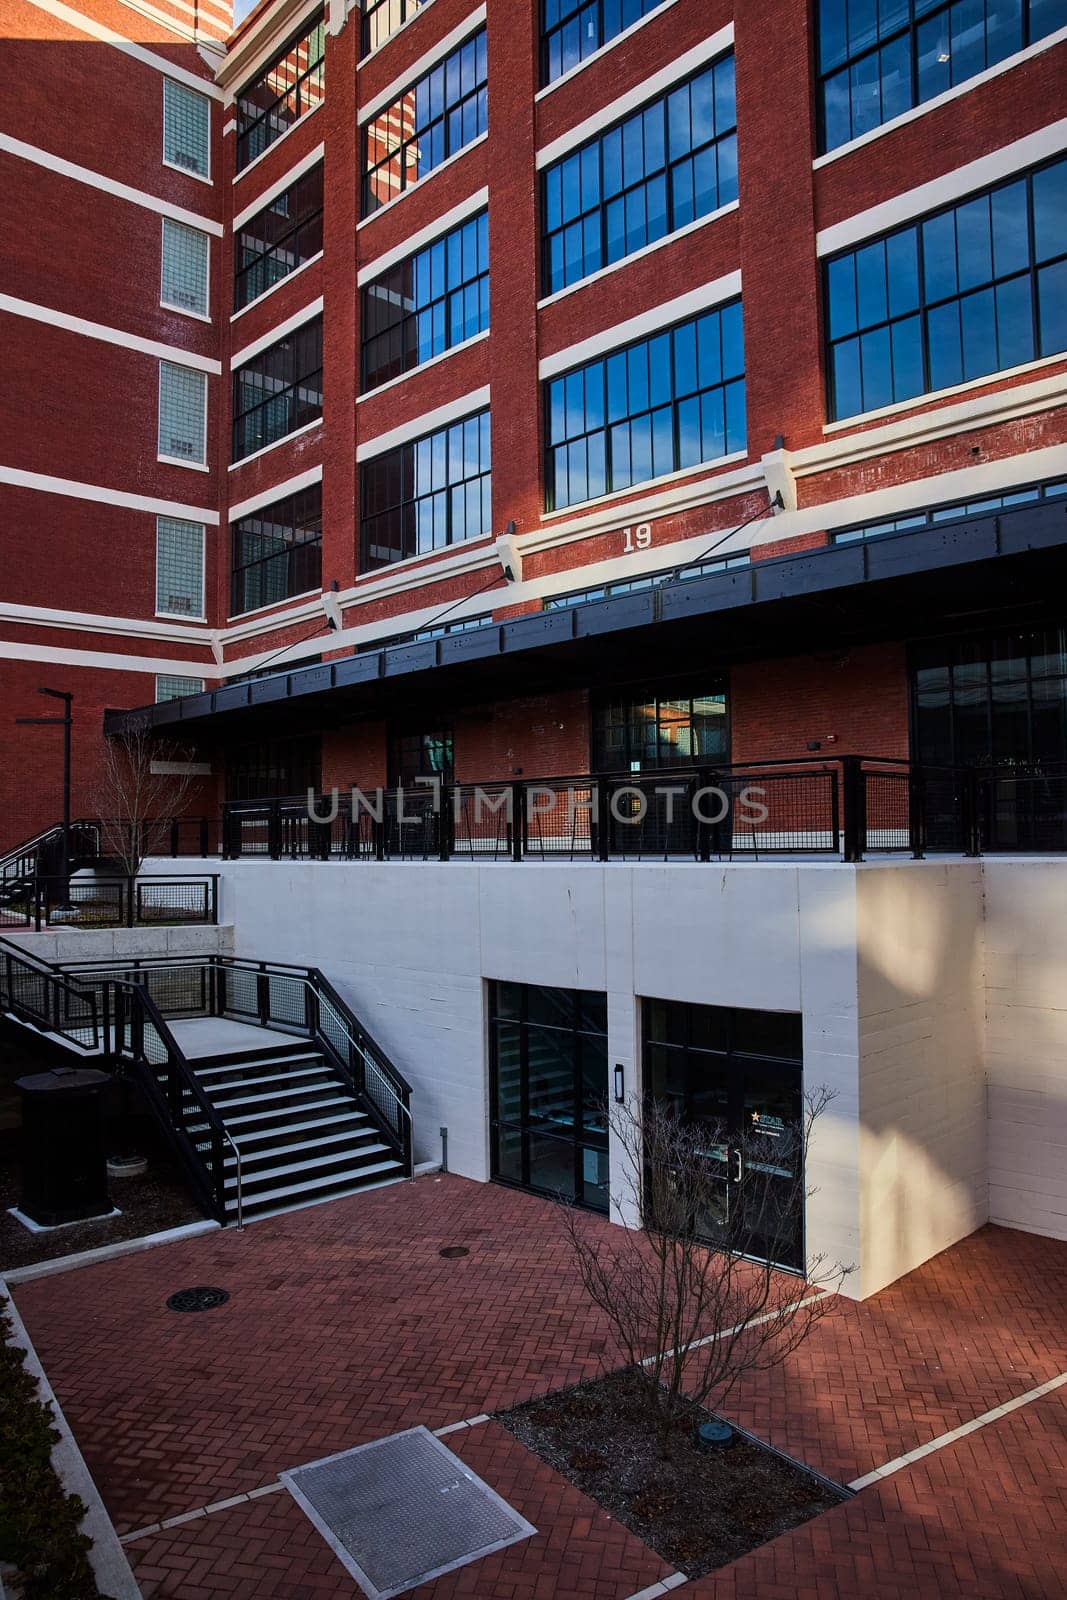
(63, 722)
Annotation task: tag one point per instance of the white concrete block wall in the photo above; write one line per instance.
(922, 1107)
(1026, 1043)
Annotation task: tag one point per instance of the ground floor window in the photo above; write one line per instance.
(273, 768)
(425, 752)
(671, 725)
(994, 700)
(548, 1090)
(739, 1073)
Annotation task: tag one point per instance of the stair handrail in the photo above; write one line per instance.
(372, 1057)
(55, 984)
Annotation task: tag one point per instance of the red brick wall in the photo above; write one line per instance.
(855, 702)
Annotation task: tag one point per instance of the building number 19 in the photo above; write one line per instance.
(637, 538)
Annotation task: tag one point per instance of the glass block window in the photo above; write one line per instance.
(186, 128)
(277, 551)
(182, 413)
(382, 18)
(879, 58)
(278, 239)
(293, 84)
(184, 276)
(971, 290)
(433, 492)
(431, 121)
(670, 163)
(179, 567)
(278, 391)
(652, 408)
(169, 687)
(574, 29)
(427, 304)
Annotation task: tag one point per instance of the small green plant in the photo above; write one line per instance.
(39, 1522)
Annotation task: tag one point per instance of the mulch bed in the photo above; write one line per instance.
(698, 1511)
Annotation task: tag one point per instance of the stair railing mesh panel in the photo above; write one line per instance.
(559, 819)
(242, 992)
(334, 1028)
(287, 999)
(377, 1082)
(482, 820)
(52, 1003)
(888, 810)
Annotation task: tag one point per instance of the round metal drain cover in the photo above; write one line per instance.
(452, 1252)
(197, 1299)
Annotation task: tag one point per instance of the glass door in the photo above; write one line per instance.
(737, 1074)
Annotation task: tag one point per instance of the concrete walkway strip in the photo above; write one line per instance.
(945, 1439)
(107, 1558)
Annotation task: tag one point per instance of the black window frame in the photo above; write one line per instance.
(401, 462)
(907, 30)
(986, 505)
(305, 100)
(422, 131)
(630, 695)
(274, 769)
(982, 648)
(402, 334)
(671, 332)
(291, 241)
(410, 752)
(308, 335)
(407, 10)
(588, 1130)
(597, 214)
(300, 557)
(601, 12)
(924, 306)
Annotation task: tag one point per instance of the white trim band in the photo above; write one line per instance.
(95, 30)
(428, 422)
(97, 330)
(305, 164)
(265, 340)
(946, 190)
(415, 241)
(96, 180)
(716, 44)
(18, 479)
(661, 316)
(620, 38)
(267, 497)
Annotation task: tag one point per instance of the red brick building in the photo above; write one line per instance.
(441, 315)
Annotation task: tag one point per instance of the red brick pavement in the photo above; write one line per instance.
(269, 1548)
(345, 1325)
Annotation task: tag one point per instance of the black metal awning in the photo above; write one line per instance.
(949, 577)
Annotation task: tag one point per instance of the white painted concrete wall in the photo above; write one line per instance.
(922, 1101)
(1026, 1043)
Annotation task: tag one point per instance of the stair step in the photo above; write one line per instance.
(281, 1111)
(289, 1191)
(217, 1089)
(278, 1094)
(226, 1069)
(357, 1121)
(314, 1165)
(343, 1139)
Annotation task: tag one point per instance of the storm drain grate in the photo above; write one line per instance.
(200, 1299)
(402, 1510)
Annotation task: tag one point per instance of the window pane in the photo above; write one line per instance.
(185, 267)
(186, 128)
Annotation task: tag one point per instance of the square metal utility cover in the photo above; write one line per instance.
(402, 1510)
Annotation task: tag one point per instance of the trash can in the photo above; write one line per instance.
(64, 1165)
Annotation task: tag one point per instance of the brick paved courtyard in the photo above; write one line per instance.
(345, 1324)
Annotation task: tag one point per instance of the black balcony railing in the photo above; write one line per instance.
(106, 901)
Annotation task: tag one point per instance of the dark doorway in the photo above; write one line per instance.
(548, 1090)
(740, 1074)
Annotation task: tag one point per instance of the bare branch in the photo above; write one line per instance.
(137, 795)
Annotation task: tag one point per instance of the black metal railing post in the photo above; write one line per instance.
(132, 900)
(274, 831)
(917, 812)
(380, 824)
(445, 813)
(835, 814)
(263, 998)
(969, 812)
(854, 806)
(602, 804)
(518, 821)
(214, 898)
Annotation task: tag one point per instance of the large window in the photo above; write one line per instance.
(655, 407)
(428, 303)
(179, 567)
(293, 84)
(278, 391)
(971, 290)
(574, 29)
(277, 551)
(182, 414)
(431, 121)
(549, 1088)
(274, 768)
(421, 752)
(186, 129)
(184, 271)
(666, 166)
(278, 239)
(422, 496)
(381, 18)
(635, 730)
(878, 58)
(999, 700)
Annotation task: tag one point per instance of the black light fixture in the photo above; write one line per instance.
(620, 1083)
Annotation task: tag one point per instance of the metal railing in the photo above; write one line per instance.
(99, 901)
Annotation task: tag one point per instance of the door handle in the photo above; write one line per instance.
(737, 1166)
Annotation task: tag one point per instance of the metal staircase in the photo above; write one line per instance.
(310, 1110)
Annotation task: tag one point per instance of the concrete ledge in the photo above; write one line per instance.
(105, 1252)
(108, 944)
(107, 1557)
